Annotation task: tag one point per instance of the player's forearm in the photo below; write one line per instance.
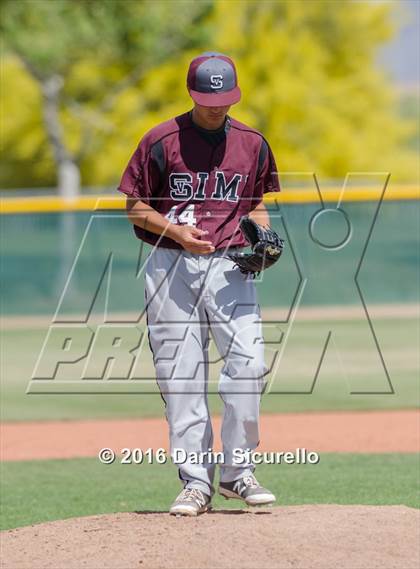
(144, 216)
(260, 215)
(189, 237)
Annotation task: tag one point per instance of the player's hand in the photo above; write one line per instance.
(189, 237)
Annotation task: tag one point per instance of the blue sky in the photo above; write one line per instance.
(401, 56)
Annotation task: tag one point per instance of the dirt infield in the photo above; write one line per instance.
(353, 537)
(306, 537)
(371, 432)
(340, 312)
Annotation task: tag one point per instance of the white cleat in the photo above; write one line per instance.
(247, 489)
(190, 502)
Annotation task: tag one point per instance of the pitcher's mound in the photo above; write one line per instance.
(306, 537)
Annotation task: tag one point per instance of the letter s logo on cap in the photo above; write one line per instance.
(216, 81)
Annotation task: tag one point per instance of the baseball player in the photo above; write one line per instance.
(194, 188)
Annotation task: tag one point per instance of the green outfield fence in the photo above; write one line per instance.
(40, 243)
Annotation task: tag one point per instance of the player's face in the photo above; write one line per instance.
(210, 117)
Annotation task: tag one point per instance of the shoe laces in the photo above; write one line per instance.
(250, 481)
(191, 495)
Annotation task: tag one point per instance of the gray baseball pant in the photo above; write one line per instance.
(187, 296)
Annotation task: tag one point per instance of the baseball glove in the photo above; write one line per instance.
(267, 247)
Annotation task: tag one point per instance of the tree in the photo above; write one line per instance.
(311, 83)
(125, 39)
(307, 72)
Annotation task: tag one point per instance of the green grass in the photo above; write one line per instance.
(397, 338)
(40, 491)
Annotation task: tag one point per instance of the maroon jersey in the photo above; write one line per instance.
(201, 178)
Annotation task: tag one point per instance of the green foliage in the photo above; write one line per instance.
(309, 82)
(97, 48)
(307, 72)
(25, 152)
(53, 36)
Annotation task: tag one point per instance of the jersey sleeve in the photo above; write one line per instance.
(267, 179)
(141, 176)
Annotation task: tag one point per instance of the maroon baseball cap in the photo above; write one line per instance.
(212, 80)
